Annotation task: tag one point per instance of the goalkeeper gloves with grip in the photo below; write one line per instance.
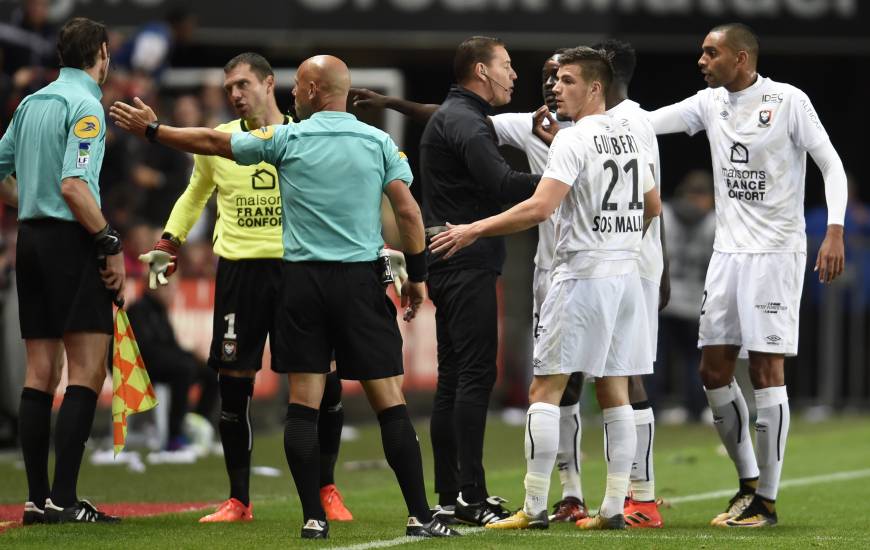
(400, 270)
(161, 260)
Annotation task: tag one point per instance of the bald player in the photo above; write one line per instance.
(760, 131)
(332, 171)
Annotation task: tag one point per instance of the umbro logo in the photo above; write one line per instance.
(724, 115)
(773, 339)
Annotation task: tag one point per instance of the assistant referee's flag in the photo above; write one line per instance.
(131, 388)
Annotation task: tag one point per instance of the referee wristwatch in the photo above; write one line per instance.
(151, 131)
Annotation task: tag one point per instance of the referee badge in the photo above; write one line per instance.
(228, 350)
(264, 132)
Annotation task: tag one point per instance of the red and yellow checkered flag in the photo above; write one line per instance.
(132, 390)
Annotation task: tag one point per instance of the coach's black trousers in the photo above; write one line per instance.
(467, 328)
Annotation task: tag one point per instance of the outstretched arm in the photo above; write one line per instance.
(202, 141)
(524, 215)
(364, 98)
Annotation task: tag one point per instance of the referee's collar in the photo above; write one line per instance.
(78, 76)
(243, 124)
(332, 114)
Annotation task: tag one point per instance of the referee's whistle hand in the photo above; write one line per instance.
(113, 274)
(413, 295)
(133, 118)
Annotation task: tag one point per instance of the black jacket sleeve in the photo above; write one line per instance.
(488, 168)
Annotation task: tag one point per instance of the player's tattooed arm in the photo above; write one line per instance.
(364, 98)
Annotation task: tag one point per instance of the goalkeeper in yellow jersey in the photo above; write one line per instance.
(247, 239)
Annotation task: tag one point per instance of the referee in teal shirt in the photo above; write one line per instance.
(333, 170)
(66, 258)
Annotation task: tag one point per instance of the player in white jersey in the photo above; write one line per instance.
(609, 195)
(641, 509)
(516, 130)
(759, 132)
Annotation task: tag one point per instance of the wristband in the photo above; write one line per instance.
(151, 131)
(418, 270)
(108, 242)
(168, 243)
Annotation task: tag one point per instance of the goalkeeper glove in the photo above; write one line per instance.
(161, 260)
(400, 271)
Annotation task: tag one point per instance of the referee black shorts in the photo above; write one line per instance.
(58, 278)
(326, 306)
(245, 301)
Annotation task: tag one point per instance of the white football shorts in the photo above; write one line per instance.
(752, 301)
(596, 326)
(541, 281)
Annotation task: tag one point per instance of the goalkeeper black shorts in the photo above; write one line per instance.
(58, 279)
(245, 301)
(326, 306)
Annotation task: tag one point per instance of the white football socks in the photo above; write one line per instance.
(542, 441)
(620, 441)
(642, 475)
(568, 457)
(771, 429)
(731, 418)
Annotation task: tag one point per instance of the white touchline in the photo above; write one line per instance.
(399, 540)
(798, 482)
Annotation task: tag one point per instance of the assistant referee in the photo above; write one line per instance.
(55, 146)
(332, 170)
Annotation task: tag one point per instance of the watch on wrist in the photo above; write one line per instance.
(151, 131)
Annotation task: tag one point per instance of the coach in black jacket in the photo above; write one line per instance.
(465, 179)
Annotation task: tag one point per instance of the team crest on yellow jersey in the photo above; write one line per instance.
(264, 132)
(87, 127)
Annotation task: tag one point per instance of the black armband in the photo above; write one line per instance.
(151, 131)
(418, 270)
(108, 242)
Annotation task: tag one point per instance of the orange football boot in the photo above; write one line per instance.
(230, 510)
(333, 504)
(640, 514)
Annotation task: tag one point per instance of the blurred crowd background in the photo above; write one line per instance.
(822, 49)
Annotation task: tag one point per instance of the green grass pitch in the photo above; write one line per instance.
(815, 511)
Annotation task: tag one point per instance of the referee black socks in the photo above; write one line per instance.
(34, 428)
(74, 421)
(329, 426)
(402, 451)
(303, 455)
(236, 437)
